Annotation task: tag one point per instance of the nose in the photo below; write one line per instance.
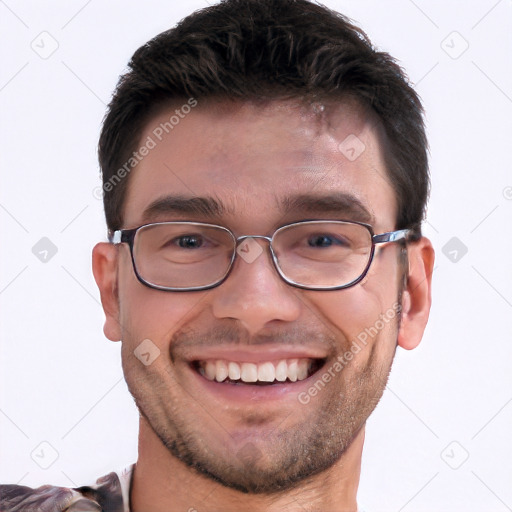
(254, 293)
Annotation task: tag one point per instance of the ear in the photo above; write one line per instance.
(104, 268)
(416, 298)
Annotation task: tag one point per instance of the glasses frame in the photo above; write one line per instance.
(128, 236)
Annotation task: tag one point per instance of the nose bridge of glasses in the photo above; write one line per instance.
(249, 253)
(245, 237)
(248, 250)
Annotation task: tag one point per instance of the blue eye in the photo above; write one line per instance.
(325, 241)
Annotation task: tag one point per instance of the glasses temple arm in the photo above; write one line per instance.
(114, 237)
(392, 236)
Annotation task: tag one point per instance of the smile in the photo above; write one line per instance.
(260, 373)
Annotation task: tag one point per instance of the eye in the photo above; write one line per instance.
(324, 240)
(189, 241)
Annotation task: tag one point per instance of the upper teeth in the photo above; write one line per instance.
(268, 371)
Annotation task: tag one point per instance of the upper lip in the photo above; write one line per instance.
(256, 354)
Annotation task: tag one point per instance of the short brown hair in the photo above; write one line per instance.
(254, 50)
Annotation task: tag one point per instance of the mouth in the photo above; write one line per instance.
(264, 373)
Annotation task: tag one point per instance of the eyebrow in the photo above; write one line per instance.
(181, 205)
(341, 204)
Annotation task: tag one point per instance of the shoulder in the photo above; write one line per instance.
(14, 498)
(109, 494)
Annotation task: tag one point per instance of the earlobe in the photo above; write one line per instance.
(416, 298)
(104, 267)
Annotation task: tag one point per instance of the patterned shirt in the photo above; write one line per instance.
(111, 493)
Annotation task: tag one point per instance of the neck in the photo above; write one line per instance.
(163, 483)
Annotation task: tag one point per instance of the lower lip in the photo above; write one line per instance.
(255, 393)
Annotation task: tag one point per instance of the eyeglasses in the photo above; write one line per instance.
(313, 254)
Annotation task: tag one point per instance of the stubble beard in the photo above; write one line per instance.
(285, 458)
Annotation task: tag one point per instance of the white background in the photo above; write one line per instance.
(61, 380)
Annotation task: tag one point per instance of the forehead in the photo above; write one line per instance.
(251, 165)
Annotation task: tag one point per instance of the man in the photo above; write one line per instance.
(265, 178)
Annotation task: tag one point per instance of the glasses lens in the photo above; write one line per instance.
(323, 254)
(182, 255)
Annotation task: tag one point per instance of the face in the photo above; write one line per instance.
(260, 436)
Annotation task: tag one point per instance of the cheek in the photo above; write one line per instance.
(351, 310)
(146, 313)
(366, 316)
